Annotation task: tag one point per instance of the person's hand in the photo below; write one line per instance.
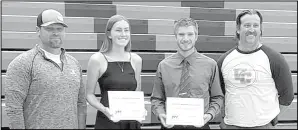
(144, 114)
(207, 117)
(109, 114)
(163, 118)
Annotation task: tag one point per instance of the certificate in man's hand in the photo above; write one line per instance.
(127, 105)
(185, 111)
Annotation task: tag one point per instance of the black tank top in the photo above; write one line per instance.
(114, 79)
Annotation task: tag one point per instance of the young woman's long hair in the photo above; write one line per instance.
(107, 43)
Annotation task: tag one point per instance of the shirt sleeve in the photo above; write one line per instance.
(281, 75)
(158, 94)
(18, 79)
(283, 81)
(216, 95)
(82, 104)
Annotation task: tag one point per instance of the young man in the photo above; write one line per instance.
(44, 87)
(256, 80)
(187, 74)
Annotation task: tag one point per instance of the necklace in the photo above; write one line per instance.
(121, 67)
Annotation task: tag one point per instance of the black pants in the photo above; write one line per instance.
(206, 126)
(223, 125)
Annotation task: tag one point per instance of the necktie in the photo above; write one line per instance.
(184, 80)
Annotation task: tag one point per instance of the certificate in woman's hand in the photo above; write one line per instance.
(127, 105)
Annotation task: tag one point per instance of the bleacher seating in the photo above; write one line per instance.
(152, 36)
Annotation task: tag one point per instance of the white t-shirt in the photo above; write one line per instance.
(254, 84)
(53, 57)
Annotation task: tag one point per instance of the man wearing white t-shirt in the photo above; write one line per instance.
(255, 79)
(44, 88)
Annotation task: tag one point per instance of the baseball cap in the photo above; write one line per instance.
(48, 17)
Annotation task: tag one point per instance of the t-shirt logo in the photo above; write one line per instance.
(242, 75)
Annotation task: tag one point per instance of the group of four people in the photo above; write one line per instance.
(44, 86)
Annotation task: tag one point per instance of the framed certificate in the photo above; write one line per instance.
(127, 105)
(185, 111)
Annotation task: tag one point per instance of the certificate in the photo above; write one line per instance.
(127, 105)
(185, 111)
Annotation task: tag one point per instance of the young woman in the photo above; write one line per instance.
(115, 68)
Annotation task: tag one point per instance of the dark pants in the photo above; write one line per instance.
(223, 125)
(206, 126)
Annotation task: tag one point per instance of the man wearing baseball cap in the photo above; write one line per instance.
(44, 87)
(48, 17)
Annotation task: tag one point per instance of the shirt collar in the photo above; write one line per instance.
(191, 58)
(43, 53)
